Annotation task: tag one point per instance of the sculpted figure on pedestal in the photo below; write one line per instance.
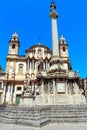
(27, 87)
(51, 88)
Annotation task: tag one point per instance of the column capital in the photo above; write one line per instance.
(53, 14)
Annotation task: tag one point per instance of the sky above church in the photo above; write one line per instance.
(30, 19)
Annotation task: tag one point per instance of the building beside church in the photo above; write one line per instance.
(83, 84)
(42, 76)
(2, 76)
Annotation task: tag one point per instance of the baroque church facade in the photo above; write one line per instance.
(42, 76)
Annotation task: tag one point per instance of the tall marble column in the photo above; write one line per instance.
(53, 15)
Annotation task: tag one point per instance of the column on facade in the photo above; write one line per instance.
(33, 88)
(35, 67)
(46, 65)
(8, 94)
(11, 94)
(14, 98)
(30, 66)
(33, 64)
(4, 93)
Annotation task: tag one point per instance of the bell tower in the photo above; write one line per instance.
(14, 45)
(63, 52)
(63, 48)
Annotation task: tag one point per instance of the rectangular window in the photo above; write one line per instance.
(20, 68)
(18, 88)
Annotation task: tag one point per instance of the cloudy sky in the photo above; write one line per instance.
(29, 18)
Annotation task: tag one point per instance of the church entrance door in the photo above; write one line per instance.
(18, 99)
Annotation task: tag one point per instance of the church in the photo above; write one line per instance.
(42, 76)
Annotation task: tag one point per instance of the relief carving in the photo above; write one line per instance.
(51, 87)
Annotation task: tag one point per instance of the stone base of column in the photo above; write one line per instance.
(27, 100)
(55, 59)
(59, 99)
(79, 99)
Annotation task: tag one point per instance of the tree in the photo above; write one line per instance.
(1, 68)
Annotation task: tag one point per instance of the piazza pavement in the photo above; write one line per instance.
(63, 126)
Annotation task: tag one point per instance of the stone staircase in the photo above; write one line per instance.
(38, 116)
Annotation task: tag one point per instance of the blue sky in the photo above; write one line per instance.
(29, 18)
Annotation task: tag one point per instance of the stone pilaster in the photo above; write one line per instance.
(8, 94)
(42, 88)
(11, 94)
(66, 87)
(48, 65)
(14, 98)
(33, 88)
(30, 66)
(4, 93)
(54, 87)
(76, 88)
(44, 65)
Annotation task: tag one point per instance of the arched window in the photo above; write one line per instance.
(40, 67)
(13, 46)
(20, 68)
(64, 49)
(40, 54)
